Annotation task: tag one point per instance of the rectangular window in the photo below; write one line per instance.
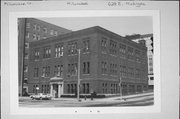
(55, 33)
(59, 70)
(34, 27)
(34, 37)
(27, 34)
(38, 28)
(113, 47)
(72, 48)
(137, 55)
(47, 52)
(43, 71)
(36, 54)
(25, 80)
(86, 45)
(104, 67)
(38, 37)
(45, 30)
(46, 71)
(68, 86)
(122, 50)
(59, 50)
(86, 67)
(25, 68)
(26, 45)
(130, 53)
(26, 56)
(28, 25)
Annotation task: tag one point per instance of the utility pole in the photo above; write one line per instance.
(120, 88)
(78, 85)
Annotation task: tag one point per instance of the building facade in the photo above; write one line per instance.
(148, 40)
(108, 63)
(30, 29)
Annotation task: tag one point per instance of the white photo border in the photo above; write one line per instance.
(13, 53)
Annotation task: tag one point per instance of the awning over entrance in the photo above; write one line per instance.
(56, 84)
(56, 79)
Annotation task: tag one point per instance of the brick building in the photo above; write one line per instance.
(106, 61)
(30, 29)
(148, 40)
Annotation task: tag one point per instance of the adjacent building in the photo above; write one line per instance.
(30, 29)
(109, 63)
(148, 40)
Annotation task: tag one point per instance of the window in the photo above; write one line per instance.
(123, 70)
(86, 45)
(28, 25)
(38, 28)
(27, 34)
(86, 67)
(36, 54)
(46, 71)
(72, 69)
(34, 37)
(85, 88)
(68, 85)
(25, 68)
(103, 67)
(45, 30)
(151, 78)
(113, 69)
(26, 45)
(26, 56)
(36, 72)
(55, 33)
(47, 52)
(72, 48)
(34, 27)
(137, 73)
(122, 50)
(104, 45)
(58, 70)
(113, 47)
(25, 80)
(130, 71)
(130, 53)
(38, 37)
(59, 50)
(137, 55)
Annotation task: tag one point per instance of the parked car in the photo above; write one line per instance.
(41, 96)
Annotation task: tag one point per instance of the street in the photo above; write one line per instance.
(144, 99)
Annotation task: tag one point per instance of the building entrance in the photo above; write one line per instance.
(56, 87)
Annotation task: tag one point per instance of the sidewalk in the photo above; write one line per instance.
(107, 98)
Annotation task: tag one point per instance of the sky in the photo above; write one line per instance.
(123, 26)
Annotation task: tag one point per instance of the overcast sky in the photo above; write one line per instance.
(120, 25)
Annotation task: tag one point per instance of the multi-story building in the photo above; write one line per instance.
(30, 29)
(148, 40)
(108, 63)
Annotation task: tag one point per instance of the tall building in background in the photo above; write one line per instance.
(30, 29)
(146, 39)
(108, 62)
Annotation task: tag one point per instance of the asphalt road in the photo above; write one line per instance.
(134, 100)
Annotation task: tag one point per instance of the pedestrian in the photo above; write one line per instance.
(84, 97)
